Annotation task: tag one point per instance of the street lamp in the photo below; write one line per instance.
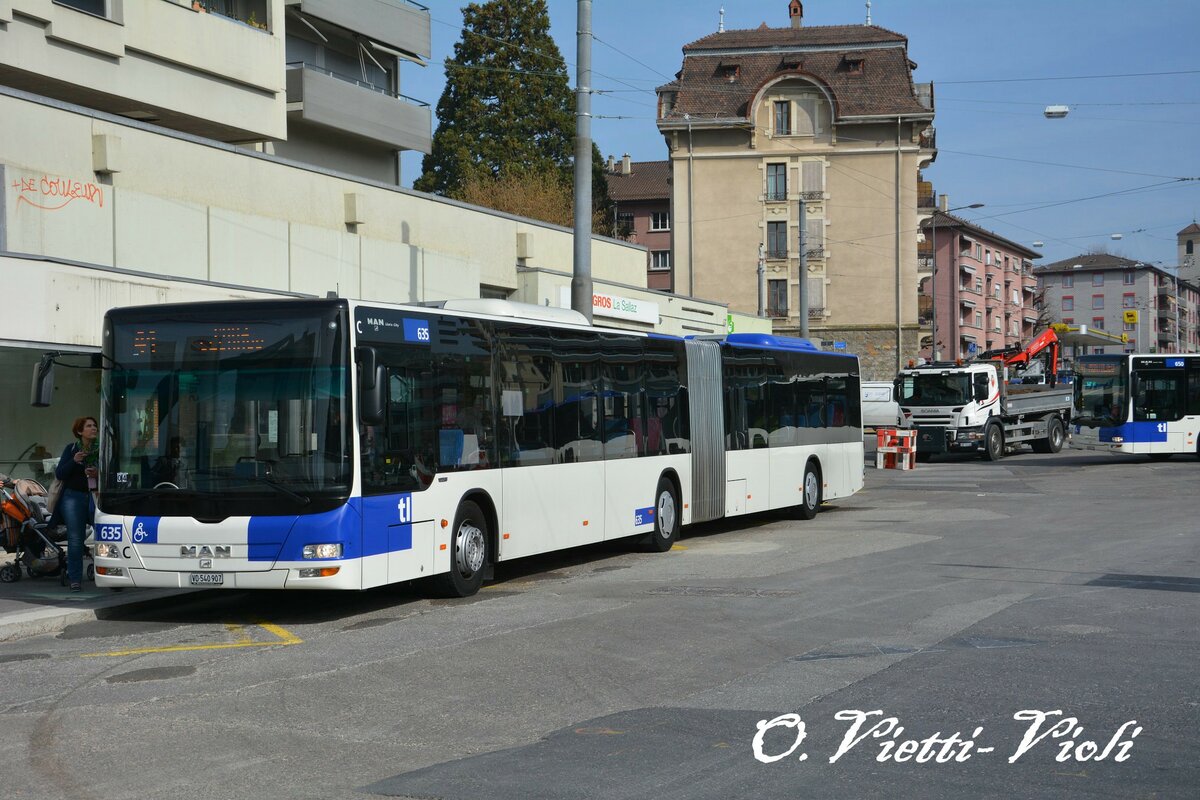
(933, 349)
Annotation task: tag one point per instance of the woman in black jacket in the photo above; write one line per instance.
(77, 470)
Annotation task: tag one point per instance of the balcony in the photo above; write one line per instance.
(816, 312)
(324, 98)
(925, 264)
(396, 24)
(814, 252)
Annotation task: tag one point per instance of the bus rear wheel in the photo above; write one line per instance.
(810, 503)
(666, 517)
(468, 553)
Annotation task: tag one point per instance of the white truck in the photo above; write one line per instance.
(973, 407)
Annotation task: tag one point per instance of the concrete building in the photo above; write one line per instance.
(766, 125)
(979, 285)
(641, 195)
(1098, 289)
(1186, 244)
(142, 161)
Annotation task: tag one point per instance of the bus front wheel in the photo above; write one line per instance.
(469, 553)
(666, 517)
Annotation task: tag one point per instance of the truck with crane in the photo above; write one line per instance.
(993, 404)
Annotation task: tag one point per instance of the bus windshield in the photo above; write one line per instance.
(935, 389)
(1101, 391)
(241, 413)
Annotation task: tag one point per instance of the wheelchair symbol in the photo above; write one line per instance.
(139, 534)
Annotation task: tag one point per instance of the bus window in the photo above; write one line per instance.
(1158, 395)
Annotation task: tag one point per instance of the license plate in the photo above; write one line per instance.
(207, 578)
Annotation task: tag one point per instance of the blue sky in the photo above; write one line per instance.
(995, 66)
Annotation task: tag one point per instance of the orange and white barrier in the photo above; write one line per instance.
(895, 449)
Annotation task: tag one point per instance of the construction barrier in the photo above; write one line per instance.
(895, 449)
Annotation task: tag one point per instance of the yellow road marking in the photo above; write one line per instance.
(285, 637)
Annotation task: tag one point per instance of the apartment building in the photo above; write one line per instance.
(641, 195)
(780, 133)
(1155, 309)
(979, 286)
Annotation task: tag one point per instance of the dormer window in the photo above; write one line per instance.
(729, 72)
(852, 64)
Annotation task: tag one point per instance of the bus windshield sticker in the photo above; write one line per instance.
(145, 530)
(416, 330)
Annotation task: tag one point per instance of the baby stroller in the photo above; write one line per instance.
(26, 532)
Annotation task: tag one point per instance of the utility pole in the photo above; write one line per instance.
(761, 288)
(803, 271)
(581, 280)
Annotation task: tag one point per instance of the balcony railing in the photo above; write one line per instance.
(777, 311)
(815, 252)
(816, 311)
(776, 195)
(812, 195)
(777, 254)
(252, 13)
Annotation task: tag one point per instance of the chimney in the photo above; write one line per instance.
(944, 203)
(612, 163)
(796, 13)
(626, 166)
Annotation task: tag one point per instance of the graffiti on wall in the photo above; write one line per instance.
(51, 193)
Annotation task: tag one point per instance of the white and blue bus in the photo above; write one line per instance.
(1141, 404)
(334, 444)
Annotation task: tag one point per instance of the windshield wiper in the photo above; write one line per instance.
(302, 499)
(142, 494)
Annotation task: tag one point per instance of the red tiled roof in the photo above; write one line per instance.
(883, 87)
(1193, 228)
(647, 180)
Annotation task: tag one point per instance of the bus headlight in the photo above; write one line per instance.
(323, 550)
(1118, 439)
(108, 550)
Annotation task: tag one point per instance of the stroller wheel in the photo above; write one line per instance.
(10, 573)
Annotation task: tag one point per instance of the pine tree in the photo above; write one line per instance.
(507, 105)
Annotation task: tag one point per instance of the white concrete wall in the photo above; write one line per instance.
(181, 208)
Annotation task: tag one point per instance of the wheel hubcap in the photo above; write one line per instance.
(469, 549)
(810, 489)
(666, 514)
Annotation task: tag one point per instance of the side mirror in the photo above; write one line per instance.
(41, 392)
(372, 383)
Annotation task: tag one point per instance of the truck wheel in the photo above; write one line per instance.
(1055, 436)
(993, 443)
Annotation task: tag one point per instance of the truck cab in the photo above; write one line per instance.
(949, 404)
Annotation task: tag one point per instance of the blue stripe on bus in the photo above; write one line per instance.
(643, 516)
(1136, 432)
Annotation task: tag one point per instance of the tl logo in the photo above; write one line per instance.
(404, 506)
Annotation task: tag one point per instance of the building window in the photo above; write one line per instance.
(1129, 326)
(1187, 247)
(1068, 303)
(1068, 320)
(660, 220)
(1097, 279)
(97, 7)
(777, 181)
(1068, 281)
(777, 298)
(1129, 300)
(624, 224)
(978, 252)
(783, 121)
(777, 240)
(978, 319)
(1098, 323)
(987, 257)
(1127, 278)
(1097, 301)
(660, 259)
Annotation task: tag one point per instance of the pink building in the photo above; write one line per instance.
(641, 197)
(978, 286)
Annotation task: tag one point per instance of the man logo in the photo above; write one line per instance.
(204, 551)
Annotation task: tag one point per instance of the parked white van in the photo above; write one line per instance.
(879, 409)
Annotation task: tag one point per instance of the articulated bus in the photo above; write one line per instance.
(333, 444)
(1145, 404)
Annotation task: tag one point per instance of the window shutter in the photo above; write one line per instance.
(816, 293)
(814, 237)
(814, 180)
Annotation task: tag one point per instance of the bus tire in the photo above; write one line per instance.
(810, 502)
(666, 517)
(468, 553)
(1159, 456)
(993, 442)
